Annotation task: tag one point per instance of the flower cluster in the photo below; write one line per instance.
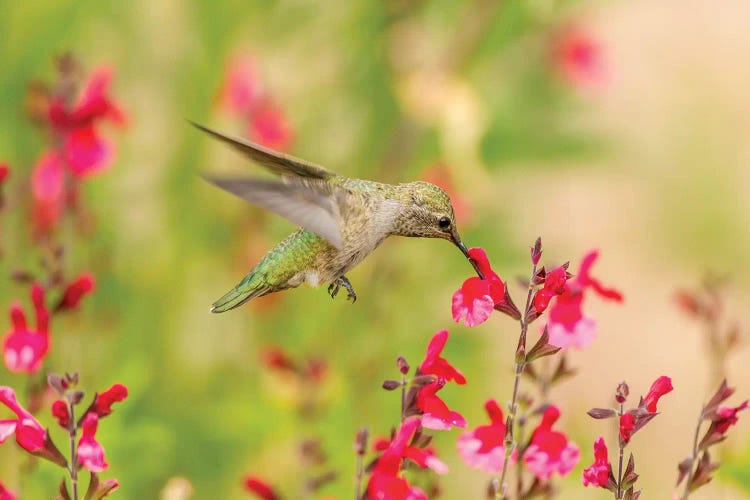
(242, 94)
(78, 149)
(32, 437)
(698, 469)
(600, 472)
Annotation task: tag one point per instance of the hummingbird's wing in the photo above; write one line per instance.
(278, 163)
(312, 204)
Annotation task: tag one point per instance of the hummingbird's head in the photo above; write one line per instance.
(427, 212)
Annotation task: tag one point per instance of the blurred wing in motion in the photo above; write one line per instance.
(278, 163)
(311, 204)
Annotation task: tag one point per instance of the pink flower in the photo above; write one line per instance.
(550, 451)
(105, 400)
(60, 412)
(477, 297)
(90, 452)
(241, 89)
(269, 127)
(385, 482)
(434, 364)
(567, 325)
(580, 59)
(598, 472)
(6, 494)
(484, 447)
(627, 426)
(435, 413)
(30, 435)
(47, 188)
(24, 349)
(554, 285)
(75, 291)
(660, 387)
(260, 488)
(86, 152)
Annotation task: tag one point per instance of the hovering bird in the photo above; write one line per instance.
(341, 221)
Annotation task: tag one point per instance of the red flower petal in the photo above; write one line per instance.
(660, 387)
(105, 400)
(434, 364)
(86, 152)
(260, 488)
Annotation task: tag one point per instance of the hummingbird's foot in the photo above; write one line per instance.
(333, 288)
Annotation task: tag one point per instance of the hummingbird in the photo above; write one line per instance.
(341, 221)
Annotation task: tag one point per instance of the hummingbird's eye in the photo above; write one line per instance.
(444, 222)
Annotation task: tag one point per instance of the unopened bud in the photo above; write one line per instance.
(403, 366)
(75, 397)
(536, 251)
(360, 441)
(423, 380)
(56, 382)
(391, 385)
(622, 392)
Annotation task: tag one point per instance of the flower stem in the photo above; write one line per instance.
(403, 397)
(619, 466)
(73, 465)
(510, 442)
(693, 457)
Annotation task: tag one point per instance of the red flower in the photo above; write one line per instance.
(6, 494)
(627, 426)
(84, 150)
(90, 452)
(276, 359)
(567, 325)
(554, 285)
(30, 435)
(24, 349)
(47, 188)
(260, 488)
(269, 127)
(385, 482)
(60, 412)
(579, 58)
(75, 291)
(477, 297)
(4, 171)
(660, 387)
(726, 417)
(240, 91)
(484, 447)
(550, 451)
(434, 364)
(105, 400)
(435, 413)
(598, 472)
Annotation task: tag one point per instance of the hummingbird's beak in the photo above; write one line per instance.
(465, 251)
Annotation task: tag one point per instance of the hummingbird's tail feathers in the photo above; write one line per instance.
(278, 163)
(235, 298)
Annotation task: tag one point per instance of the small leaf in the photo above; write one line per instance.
(722, 393)
(62, 491)
(683, 469)
(542, 348)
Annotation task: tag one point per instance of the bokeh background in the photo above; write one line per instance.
(634, 142)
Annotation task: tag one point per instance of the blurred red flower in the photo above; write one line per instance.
(90, 452)
(554, 285)
(598, 472)
(268, 126)
(47, 189)
(434, 364)
(477, 297)
(579, 58)
(4, 172)
(75, 291)
(241, 90)
(567, 326)
(24, 349)
(260, 488)
(6, 494)
(484, 447)
(726, 416)
(550, 451)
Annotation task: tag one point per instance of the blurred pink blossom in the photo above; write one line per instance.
(550, 451)
(24, 348)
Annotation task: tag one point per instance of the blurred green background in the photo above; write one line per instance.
(647, 161)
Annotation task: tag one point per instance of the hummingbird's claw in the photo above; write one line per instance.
(333, 289)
